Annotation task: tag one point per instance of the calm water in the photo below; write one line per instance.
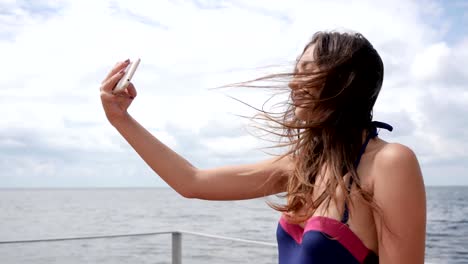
(34, 214)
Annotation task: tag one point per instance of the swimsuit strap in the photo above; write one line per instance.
(373, 133)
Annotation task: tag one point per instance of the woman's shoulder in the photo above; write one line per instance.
(392, 154)
(399, 191)
(395, 162)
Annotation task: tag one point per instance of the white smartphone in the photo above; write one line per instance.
(125, 80)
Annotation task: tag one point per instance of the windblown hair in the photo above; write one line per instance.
(347, 76)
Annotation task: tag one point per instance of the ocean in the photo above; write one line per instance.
(54, 213)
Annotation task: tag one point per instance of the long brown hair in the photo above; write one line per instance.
(348, 75)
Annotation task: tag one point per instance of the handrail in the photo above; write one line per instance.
(176, 240)
(141, 234)
(82, 238)
(248, 241)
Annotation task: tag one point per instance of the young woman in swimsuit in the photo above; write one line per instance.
(351, 196)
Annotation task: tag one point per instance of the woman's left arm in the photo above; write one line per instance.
(399, 192)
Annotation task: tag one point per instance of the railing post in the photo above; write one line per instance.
(176, 248)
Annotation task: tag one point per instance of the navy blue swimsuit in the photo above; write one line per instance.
(323, 239)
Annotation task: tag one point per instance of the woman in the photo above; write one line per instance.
(351, 197)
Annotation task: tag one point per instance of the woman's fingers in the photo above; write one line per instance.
(131, 90)
(110, 83)
(118, 67)
(113, 78)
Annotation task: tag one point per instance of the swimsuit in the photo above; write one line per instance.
(325, 240)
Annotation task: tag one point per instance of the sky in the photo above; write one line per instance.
(54, 133)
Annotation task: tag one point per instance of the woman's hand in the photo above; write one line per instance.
(116, 105)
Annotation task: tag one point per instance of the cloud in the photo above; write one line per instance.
(127, 14)
(442, 65)
(54, 132)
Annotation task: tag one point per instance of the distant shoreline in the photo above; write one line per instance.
(154, 187)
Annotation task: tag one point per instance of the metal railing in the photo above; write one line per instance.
(176, 240)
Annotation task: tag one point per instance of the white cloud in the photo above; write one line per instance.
(428, 63)
(56, 55)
